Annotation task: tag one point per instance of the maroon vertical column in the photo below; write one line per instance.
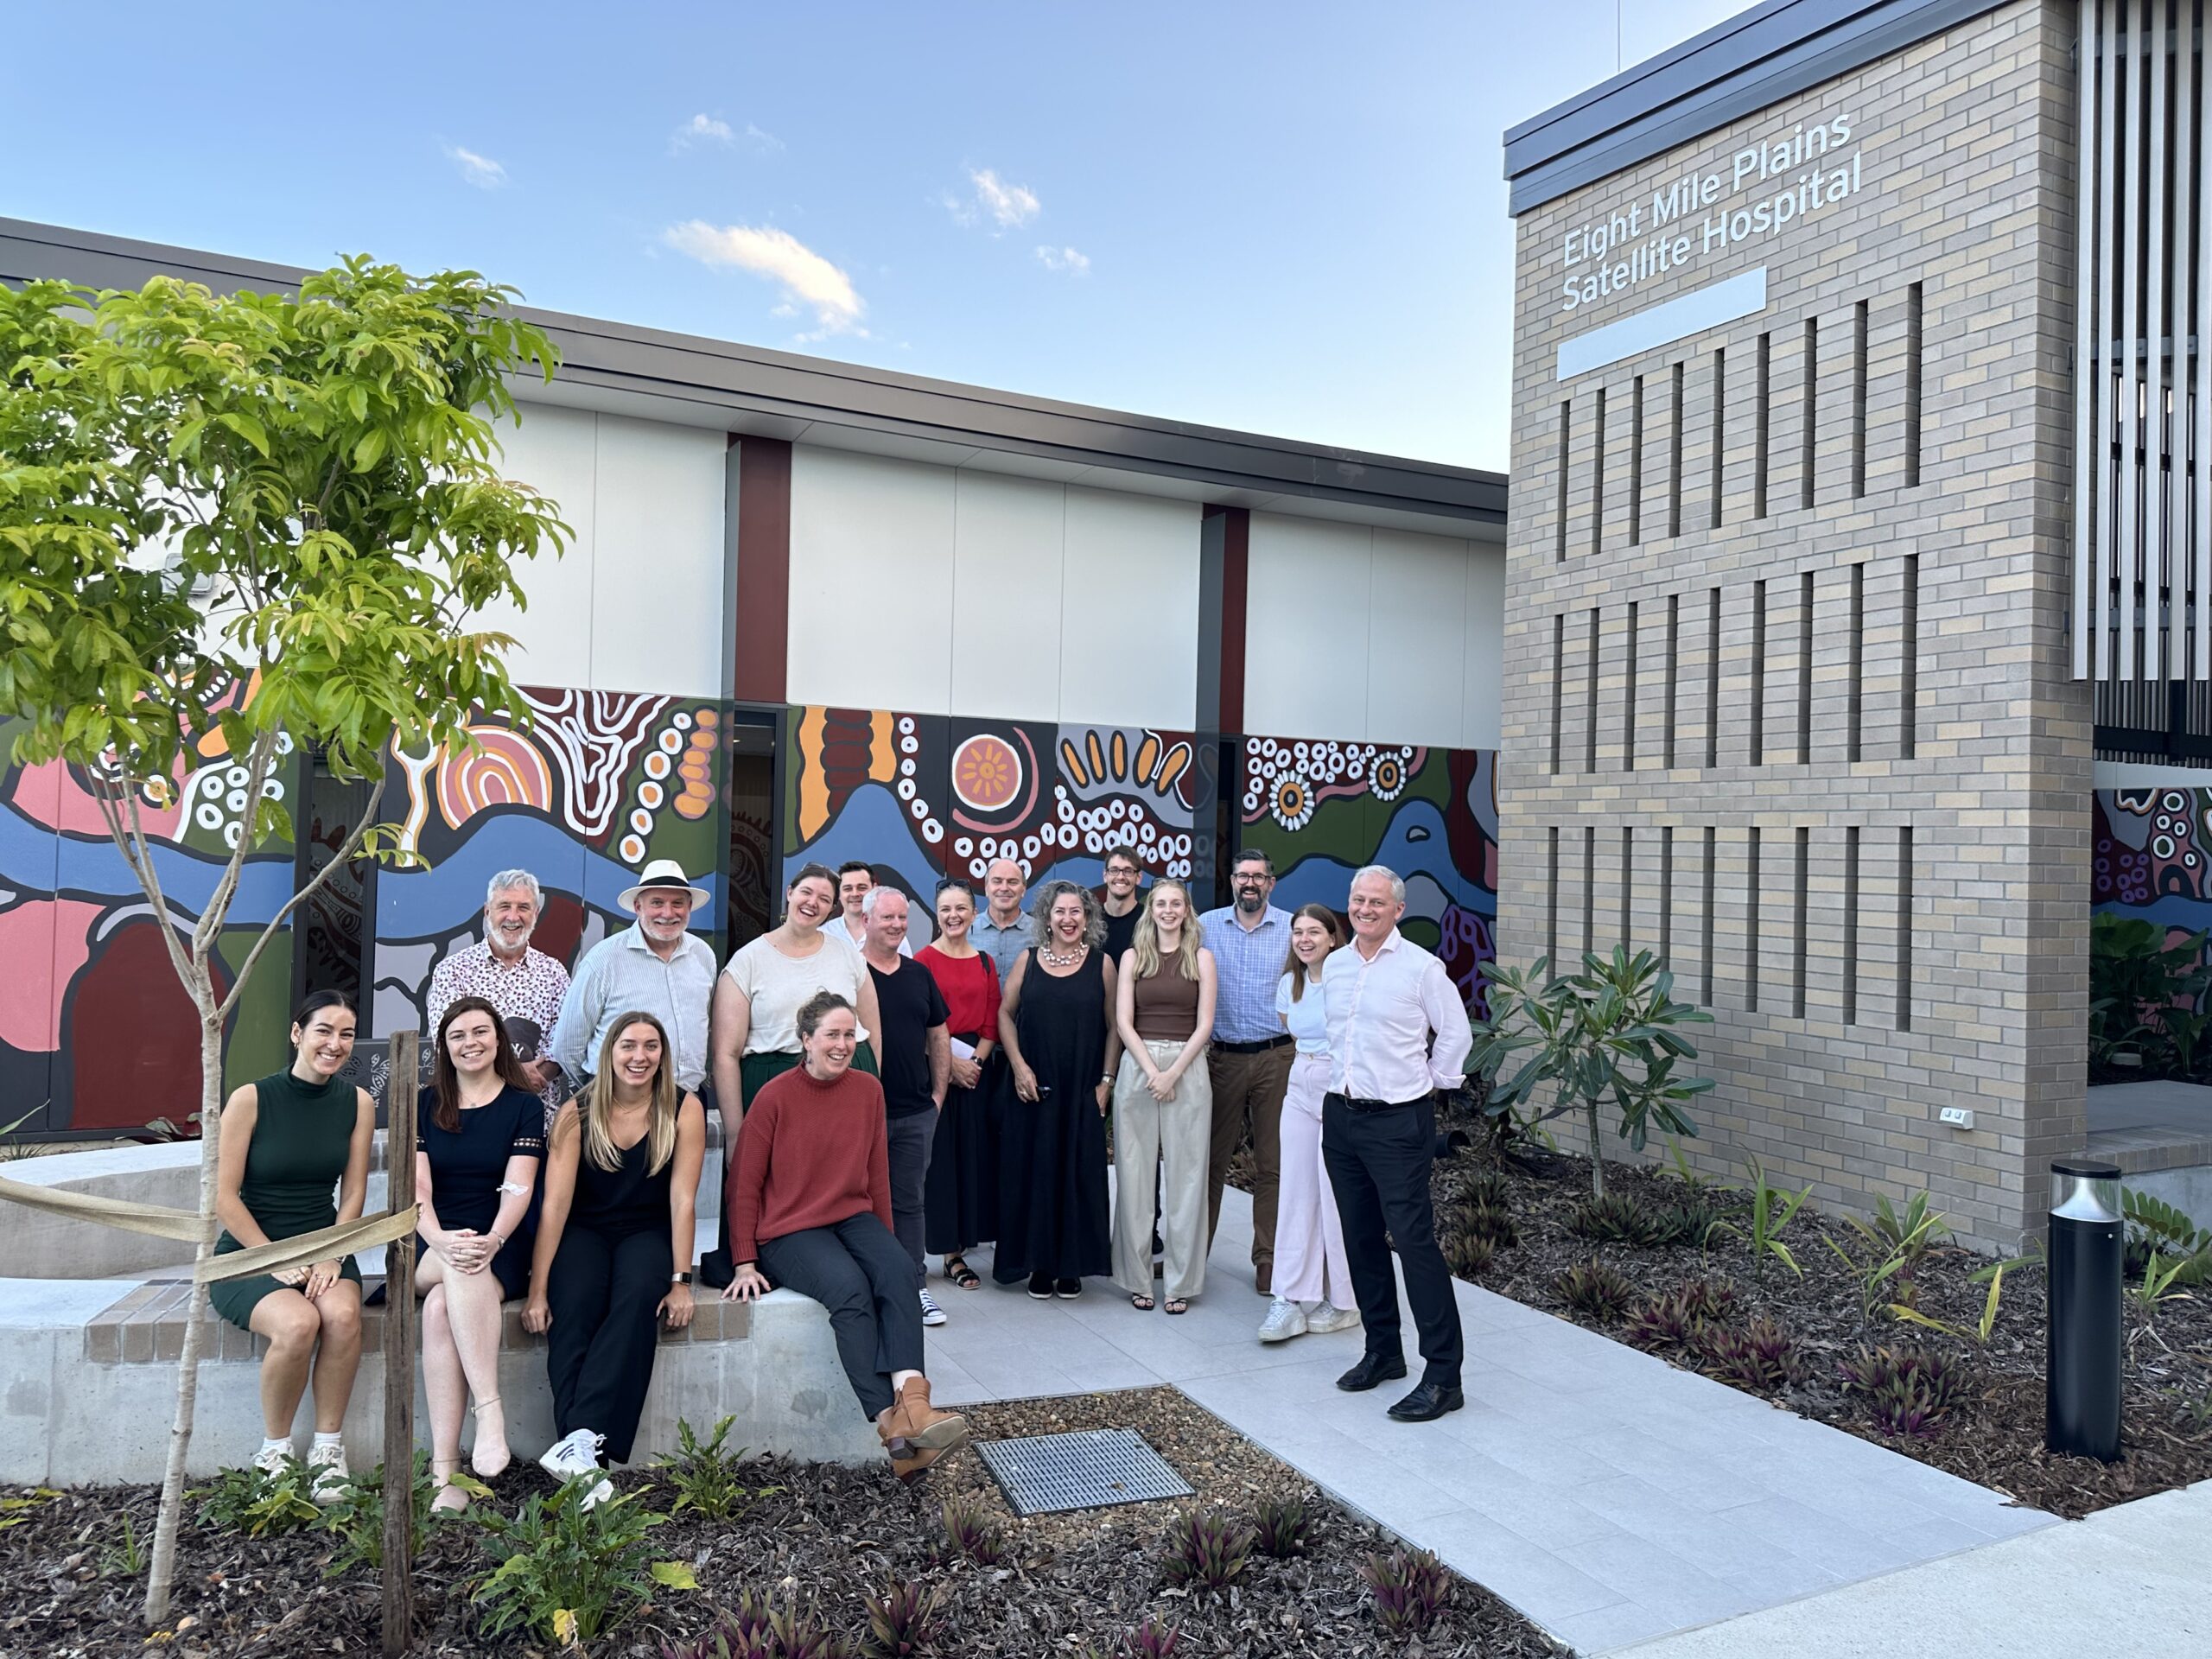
(761, 623)
(1224, 558)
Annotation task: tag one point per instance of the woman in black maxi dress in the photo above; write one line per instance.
(1056, 1023)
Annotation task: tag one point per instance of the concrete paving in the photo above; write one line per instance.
(1608, 1495)
(2135, 1579)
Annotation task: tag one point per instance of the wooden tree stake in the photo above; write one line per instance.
(399, 1354)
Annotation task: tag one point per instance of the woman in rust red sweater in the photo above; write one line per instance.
(809, 1199)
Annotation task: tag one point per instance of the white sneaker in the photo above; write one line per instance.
(931, 1313)
(326, 1463)
(575, 1457)
(271, 1460)
(1285, 1320)
(1325, 1318)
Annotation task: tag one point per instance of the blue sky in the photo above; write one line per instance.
(1284, 218)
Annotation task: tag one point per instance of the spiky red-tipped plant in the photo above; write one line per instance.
(1207, 1551)
(1282, 1526)
(1409, 1586)
(902, 1622)
(971, 1532)
(1594, 1287)
(1760, 1355)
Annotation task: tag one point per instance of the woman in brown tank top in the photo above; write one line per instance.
(1163, 1100)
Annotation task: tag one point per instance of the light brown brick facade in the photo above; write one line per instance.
(1834, 1057)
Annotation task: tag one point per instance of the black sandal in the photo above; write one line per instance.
(1178, 1305)
(957, 1270)
(1142, 1304)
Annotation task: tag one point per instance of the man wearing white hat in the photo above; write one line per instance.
(656, 966)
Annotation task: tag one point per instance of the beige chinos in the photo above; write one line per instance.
(1176, 1133)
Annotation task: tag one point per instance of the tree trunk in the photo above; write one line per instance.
(1596, 1150)
(161, 1569)
(399, 1354)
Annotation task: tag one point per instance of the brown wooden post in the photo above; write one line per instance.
(399, 1354)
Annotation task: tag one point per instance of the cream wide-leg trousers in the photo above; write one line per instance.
(1309, 1235)
(1176, 1135)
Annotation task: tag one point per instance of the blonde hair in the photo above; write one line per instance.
(1144, 944)
(596, 1105)
(1298, 971)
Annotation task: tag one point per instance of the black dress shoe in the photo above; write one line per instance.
(1371, 1369)
(1427, 1403)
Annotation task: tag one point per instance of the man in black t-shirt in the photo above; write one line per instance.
(1121, 901)
(914, 1056)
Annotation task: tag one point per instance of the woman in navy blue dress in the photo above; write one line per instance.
(480, 1138)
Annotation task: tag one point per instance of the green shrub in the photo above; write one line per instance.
(705, 1476)
(260, 1504)
(568, 1573)
(357, 1518)
(1594, 1287)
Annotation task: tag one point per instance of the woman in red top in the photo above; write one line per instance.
(809, 1200)
(960, 1195)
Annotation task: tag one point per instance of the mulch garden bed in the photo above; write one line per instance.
(1065, 1583)
(1993, 1435)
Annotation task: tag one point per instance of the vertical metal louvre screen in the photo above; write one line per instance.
(2143, 391)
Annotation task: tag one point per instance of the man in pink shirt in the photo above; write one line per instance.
(1385, 997)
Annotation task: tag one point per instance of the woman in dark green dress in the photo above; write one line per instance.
(288, 1142)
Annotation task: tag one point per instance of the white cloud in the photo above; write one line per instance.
(807, 279)
(759, 140)
(1065, 259)
(700, 130)
(479, 170)
(1006, 205)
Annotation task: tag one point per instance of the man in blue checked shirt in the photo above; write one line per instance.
(1250, 1059)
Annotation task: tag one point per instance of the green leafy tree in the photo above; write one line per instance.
(1612, 1032)
(296, 494)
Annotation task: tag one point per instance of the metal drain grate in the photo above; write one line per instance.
(1050, 1473)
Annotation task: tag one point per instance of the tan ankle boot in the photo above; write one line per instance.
(915, 1419)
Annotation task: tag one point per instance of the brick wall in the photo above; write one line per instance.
(1896, 786)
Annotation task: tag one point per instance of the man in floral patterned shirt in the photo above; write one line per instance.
(527, 986)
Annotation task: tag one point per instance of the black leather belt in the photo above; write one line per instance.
(1357, 1103)
(1260, 1047)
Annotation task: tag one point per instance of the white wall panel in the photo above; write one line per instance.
(1129, 611)
(869, 533)
(1006, 595)
(1485, 645)
(556, 451)
(1306, 628)
(657, 581)
(1417, 639)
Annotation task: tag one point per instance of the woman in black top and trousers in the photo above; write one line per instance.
(614, 1245)
(479, 1140)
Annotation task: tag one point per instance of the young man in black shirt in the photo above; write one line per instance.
(914, 1056)
(1120, 901)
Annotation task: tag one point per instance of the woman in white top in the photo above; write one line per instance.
(753, 1029)
(1312, 1283)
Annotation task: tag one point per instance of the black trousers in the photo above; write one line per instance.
(864, 1277)
(605, 1292)
(1378, 1164)
(913, 1135)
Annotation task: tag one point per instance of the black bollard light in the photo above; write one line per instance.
(2087, 1245)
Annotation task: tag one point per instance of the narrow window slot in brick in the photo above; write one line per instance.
(1912, 313)
(1675, 462)
(1628, 692)
(1797, 922)
(1758, 672)
(1674, 650)
(1628, 880)
(1805, 668)
(1666, 894)
(1751, 925)
(1598, 475)
(1589, 888)
(1566, 437)
(1760, 428)
(1704, 948)
(1590, 699)
(1851, 925)
(1909, 669)
(1558, 683)
(1636, 463)
(1905, 928)
(1712, 678)
(1719, 425)
(1551, 899)
(1856, 718)
(1810, 412)
(1859, 400)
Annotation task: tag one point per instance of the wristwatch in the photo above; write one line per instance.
(683, 1278)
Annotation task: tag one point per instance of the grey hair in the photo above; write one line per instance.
(1040, 913)
(523, 878)
(1397, 885)
(868, 898)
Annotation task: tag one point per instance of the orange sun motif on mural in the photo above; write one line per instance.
(986, 773)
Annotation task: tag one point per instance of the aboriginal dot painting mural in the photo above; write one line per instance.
(593, 787)
(2149, 851)
(1321, 810)
(928, 795)
(96, 1035)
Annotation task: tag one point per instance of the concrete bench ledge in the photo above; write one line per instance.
(85, 1394)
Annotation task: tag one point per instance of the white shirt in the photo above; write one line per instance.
(1306, 1017)
(776, 986)
(622, 972)
(1380, 1013)
(859, 941)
